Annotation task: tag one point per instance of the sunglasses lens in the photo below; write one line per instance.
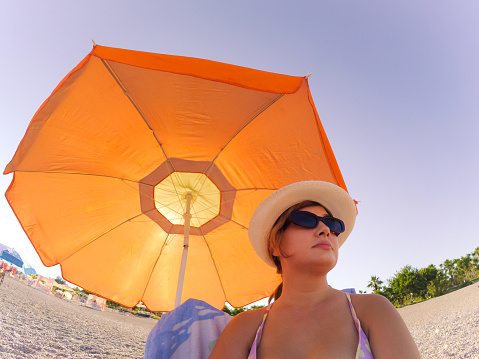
(304, 219)
(335, 225)
(310, 220)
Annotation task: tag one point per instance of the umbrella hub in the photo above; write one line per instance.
(171, 198)
(163, 195)
(192, 194)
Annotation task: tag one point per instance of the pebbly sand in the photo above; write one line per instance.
(446, 326)
(37, 325)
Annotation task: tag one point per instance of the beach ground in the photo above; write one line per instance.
(446, 326)
(36, 325)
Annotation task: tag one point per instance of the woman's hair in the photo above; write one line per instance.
(274, 239)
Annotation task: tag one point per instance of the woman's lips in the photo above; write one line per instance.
(323, 245)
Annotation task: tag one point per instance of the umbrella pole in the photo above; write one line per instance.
(181, 277)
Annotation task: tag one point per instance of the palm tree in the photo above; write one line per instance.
(375, 283)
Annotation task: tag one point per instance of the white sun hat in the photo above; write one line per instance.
(335, 199)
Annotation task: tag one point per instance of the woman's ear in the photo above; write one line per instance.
(274, 251)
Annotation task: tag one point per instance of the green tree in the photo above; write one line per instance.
(450, 270)
(410, 284)
(438, 285)
(404, 286)
(60, 280)
(375, 284)
(467, 267)
(393, 297)
(475, 265)
(426, 276)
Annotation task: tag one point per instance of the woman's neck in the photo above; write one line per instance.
(304, 290)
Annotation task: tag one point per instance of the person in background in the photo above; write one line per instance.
(3, 273)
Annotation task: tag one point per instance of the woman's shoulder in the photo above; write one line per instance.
(372, 307)
(388, 335)
(377, 314)
(370, 300)
(249, 319)
(239, 334)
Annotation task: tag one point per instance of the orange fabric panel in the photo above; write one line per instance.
(87, 126)
(61, 213)
(246, 202)
(282, 145)
(118, 264)
(185, 110)
(207, 69)
(164, 277)
(201, 278)
(228, 245)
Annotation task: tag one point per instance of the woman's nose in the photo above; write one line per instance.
(322, 229)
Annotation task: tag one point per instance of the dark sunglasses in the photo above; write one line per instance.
(310, 220)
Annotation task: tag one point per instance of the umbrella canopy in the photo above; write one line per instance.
(132, 150)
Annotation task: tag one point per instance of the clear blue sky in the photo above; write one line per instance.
(396, 85)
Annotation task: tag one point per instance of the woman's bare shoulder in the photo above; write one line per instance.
(248, 320)
(371, 301)
(236, 339)
(250, 316)
(372, 309)
(388, 335)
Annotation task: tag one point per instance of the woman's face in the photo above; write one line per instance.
(310, 247)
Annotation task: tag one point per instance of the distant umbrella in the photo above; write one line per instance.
(12, 257)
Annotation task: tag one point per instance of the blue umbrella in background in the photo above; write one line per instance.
(10, 255)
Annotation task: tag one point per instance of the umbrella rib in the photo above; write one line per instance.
(237, 223)
(231, 200)
(156, 262)
(194, 215)
(137, 108)
(127, 94)
(242, 128)
(210, 165)
(98, 175)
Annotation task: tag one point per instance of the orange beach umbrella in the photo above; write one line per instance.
(140, 172)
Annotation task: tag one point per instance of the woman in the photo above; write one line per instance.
(299, 229)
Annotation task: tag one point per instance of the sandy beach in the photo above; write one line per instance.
(37, 325)
(446, 326)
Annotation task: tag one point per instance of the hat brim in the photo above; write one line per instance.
(335, 199)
